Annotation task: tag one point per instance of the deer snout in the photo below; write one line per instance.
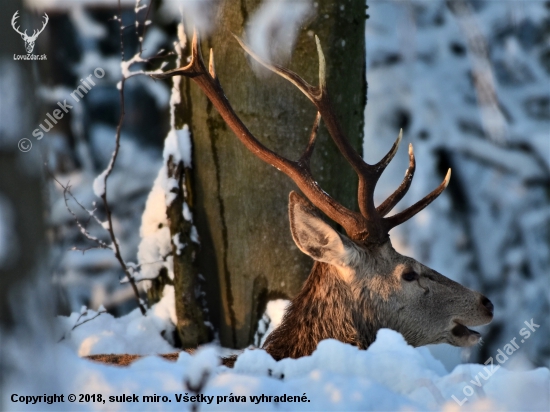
(487, 304)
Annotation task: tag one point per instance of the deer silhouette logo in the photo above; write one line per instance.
(29, 40)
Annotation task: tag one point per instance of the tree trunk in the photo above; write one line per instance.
(25, 294)
(21, 185)
(190, 326)
(247, 253)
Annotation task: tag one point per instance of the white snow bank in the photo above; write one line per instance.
(271, 319)
(390, 375)
(100, 332)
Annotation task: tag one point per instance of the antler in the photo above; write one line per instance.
(298, 171)
(369, 225)
(13, 22)
(35, 33)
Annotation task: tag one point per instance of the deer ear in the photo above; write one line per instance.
(312, 235)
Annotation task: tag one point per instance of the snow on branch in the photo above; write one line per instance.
(493, 120)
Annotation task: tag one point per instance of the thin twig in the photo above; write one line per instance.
(144, 27)
(101, 244)
(198, 388)
(109, 170)
(87, 320)
(138, 266)
(68, 190)
(76, 325)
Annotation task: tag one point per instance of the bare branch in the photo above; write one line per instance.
(101, 244)
(105, 175)
(101, 312)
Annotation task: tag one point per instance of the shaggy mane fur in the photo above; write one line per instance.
(322, 310)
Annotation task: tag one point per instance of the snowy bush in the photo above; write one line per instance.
(490, 229)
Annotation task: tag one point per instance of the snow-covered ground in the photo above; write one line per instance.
(389, 376)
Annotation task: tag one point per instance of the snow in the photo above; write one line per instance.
(155, 246)
(187, 214)
(194, 235)
(96, 332)
(184, 145)
(178, 142)
(200, 14)
(514, 162)
(390, 375)
(87, 27)
(99, 182)
(272, 318)
(154, 252)
(179, 245)
(273, 28)
(505, 237)
(476, 232)
(177, 146)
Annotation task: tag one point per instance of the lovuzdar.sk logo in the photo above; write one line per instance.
(29, 40)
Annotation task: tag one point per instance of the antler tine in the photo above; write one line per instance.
(382, 164)
(368, 178)
(14, 22)
(195, 67)
(319, 97)
(211, 68)
(322, 65)
(46, 20)
(396, 196)
(369, 225)
(35, 32)
(289, 75)
(298, 172)
(397, 219)
(306, 156)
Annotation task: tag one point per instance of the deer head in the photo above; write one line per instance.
(358, 283)
(29, 40)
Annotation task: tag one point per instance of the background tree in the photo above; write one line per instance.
(23, 246)
(247, 254)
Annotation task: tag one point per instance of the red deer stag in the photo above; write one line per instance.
(358, 283)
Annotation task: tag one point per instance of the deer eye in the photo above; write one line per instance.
(410, 276)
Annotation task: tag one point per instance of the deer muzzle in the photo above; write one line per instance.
(461, 335)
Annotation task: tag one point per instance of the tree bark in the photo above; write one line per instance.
(190, 320)
(247, 253)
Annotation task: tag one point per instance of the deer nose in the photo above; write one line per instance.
(488, 304)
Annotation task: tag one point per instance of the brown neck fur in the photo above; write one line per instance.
(323, 309)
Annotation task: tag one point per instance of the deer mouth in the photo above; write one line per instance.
(462, 336)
